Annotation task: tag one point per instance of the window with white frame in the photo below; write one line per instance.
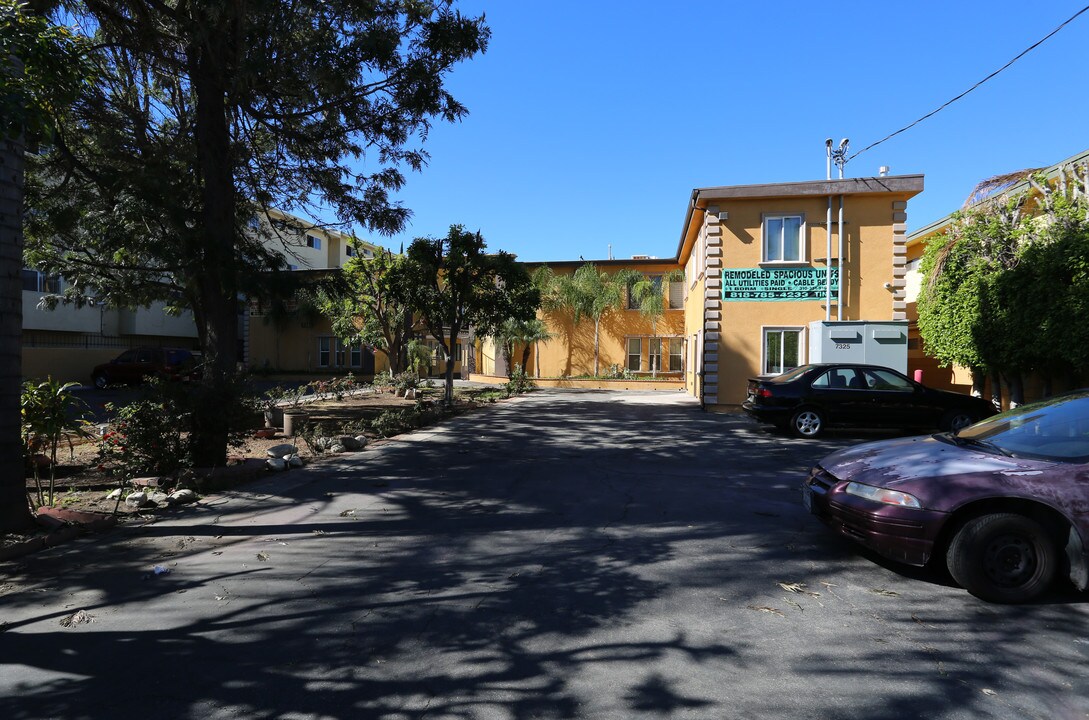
(783, 236)
(356, 356)
(676, 354)
(782, 350)
(325, 346)
(313, 241)
(654, 354)
(457, 352)
(676, 295)
(635, 354)
(349, 251)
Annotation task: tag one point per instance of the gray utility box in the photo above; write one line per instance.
(860, 341)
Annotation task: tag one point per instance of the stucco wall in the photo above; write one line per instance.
(867, 268)
(571, 351)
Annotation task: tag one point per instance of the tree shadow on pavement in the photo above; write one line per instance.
(554, 558)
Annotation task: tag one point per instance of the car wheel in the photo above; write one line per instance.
(1002, 558)
(100, 382)
(954, 420)
(807, 422)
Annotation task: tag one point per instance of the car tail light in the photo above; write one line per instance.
(763, 392)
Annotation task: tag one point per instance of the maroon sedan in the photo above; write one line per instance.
(1004, 502)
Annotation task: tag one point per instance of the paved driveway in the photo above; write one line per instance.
(564, 555)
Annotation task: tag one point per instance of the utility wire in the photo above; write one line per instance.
(958, 97)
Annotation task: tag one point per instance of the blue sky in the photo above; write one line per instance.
(590, 122)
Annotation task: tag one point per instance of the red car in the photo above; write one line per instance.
(1003, 503)
(136, 365)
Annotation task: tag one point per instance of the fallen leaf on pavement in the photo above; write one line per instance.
(77, 618)
(262, 556)
(798, 588)
(762, 608)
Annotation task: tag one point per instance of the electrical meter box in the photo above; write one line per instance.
(860, 341)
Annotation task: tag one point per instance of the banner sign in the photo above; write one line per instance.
(777, 283)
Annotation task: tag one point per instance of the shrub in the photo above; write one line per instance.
(50, 414)
(150, 436)
(406, 381)
(519, 383)
(146, 438)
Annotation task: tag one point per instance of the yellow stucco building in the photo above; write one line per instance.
(754, 260)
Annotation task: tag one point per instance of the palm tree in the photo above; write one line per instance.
(648, 295)
(592, 293)
(526, 333)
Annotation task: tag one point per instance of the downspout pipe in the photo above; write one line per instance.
(839, 264)
(828, 238)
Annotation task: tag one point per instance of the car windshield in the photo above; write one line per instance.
(790, 374)
(1052, 429)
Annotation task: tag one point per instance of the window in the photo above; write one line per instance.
(635, 354)
(676, 295)
(340, 353)
(356, 356)
(839, 379)
(656, 287)
(783, 238)
(324, 346)
(35, 281)
(885, 380)
(367, 253)
(676, 354)
(782, 350)
(654, 354)
(349, 251)
(457, 352)
(313, 242)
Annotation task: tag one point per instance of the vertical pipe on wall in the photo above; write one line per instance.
(839, 264)
(828, 236)
(828, 263)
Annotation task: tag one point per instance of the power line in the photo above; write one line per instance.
(932, 113)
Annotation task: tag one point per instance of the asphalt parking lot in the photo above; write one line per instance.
(563, 555)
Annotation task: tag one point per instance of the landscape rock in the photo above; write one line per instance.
(114, 494)
(149, 482)
(276, 464)
(349, 442)
(159, 498)
(362, 440)
(294, 461)
(137, 500)
(410, 394)
(278, 451)
(337, 449)
(182, 497)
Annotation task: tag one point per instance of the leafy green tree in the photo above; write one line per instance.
(455, 284)
(1007, 283)
(370, 306)
(211, 113)
(41, 67)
